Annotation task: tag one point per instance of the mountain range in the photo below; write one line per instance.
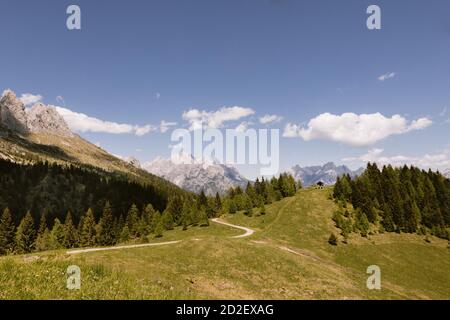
(193, 175)
(41, 133)
(326, 174)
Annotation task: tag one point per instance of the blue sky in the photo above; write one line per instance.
(140, 62)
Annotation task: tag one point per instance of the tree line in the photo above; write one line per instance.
(136, 226)
(104, 210)
(260, 193)
(53, 190)
(404, 199)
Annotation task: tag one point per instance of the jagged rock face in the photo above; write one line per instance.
(42, 118)
(196, 176)
(327, 173)
(12, 113)
(38, 119)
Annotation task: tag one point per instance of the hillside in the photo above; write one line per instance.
(29, 135)
(288, 257)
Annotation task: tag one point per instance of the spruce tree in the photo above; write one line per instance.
(194, 215)
(133, 221)
(167, 220)
(362, 223)
(125, 234)
(88, 230)
(232, 207)
(58, 233)
(70, 232)
(42, 225)
(262, 209)
(105, 236)
(159, 228)
(25, 235)
(45, 241)
(204, 221)
(7, 232)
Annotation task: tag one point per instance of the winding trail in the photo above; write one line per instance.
(123, 247)
(248, 231)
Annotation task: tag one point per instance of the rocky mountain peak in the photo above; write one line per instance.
(12, 112)
(39, 119)
(43, 118)
(196, 175)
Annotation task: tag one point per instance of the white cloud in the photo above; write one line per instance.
(215, 119)
(387, 76)
(82, 123)
(158, 96)
(353, 129)
(433, 161)
(29, 99)
(270, 119)
(443, 112)
(291, 131)
(143, 130)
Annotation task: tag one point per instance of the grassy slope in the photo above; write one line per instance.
(287, 258)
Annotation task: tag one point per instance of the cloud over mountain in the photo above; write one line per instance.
(215, 119)
(353, 129)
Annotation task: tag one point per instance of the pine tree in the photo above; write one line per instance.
(45, 241)
(154, 221)
(167, 220)
(58, 233)
(105, 235)
(88, 230)
(202, 199)
(262, 209)
(248, 207)
(7, 233)
(204, 221)
(194, 215)
(232, 207)
(125, 234)
(25, 235)
(388, 221)
(185, 216)
(159, 229)
(70, 232)
(362, 223)
(133, 221)
(42, 225)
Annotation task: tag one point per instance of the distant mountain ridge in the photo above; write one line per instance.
(327, 173)
(195, 176)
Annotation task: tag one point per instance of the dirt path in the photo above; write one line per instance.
(248, 231)
(122, 247)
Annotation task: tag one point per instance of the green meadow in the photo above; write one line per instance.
(288, 257)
